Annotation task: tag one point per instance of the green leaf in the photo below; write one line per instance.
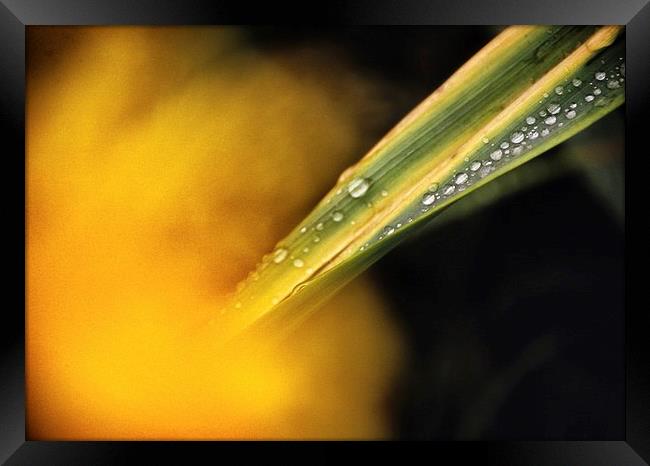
(529, 89)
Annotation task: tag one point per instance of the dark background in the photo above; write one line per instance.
(514, 314)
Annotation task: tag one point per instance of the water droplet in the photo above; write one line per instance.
(428, 198)
(449, 189)
(542, 113)
(279, 255)
(600, 75)
(613, 84)
(559, 90)
(589, 98)
(623, 69)
(305, 250)
(298, 263)
(434, 187)
(573, 105)
(517, 137)
(533, 134)
(389, 230)
(550, 120)
(316, 239)
(504, 145)
(358, 187)
(545, 132)
(571, 114)
(320, 226)
(485, 140)
(496, 155)
(461, 178)
(597, 91)
(553, 108)
(337, 216)
(576, 82)
(309, 271)
(530, 120)
(303, 230)
(475, 166)
(517, 150)
(384, 193)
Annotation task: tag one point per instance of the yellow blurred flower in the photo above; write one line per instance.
(161, 164)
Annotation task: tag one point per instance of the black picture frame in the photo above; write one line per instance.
(15, 15)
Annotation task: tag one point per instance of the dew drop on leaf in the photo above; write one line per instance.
(428, 198)
(553, 109)
(461, 178)
(358, 187)
(337, 216)
(298, 263)
(517, 137)
(279, 255)
(613, 84)
(496, 155)
(450, 188)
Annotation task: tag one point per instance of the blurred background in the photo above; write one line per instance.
(163, 162)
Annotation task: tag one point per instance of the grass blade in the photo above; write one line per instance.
(528, 90)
